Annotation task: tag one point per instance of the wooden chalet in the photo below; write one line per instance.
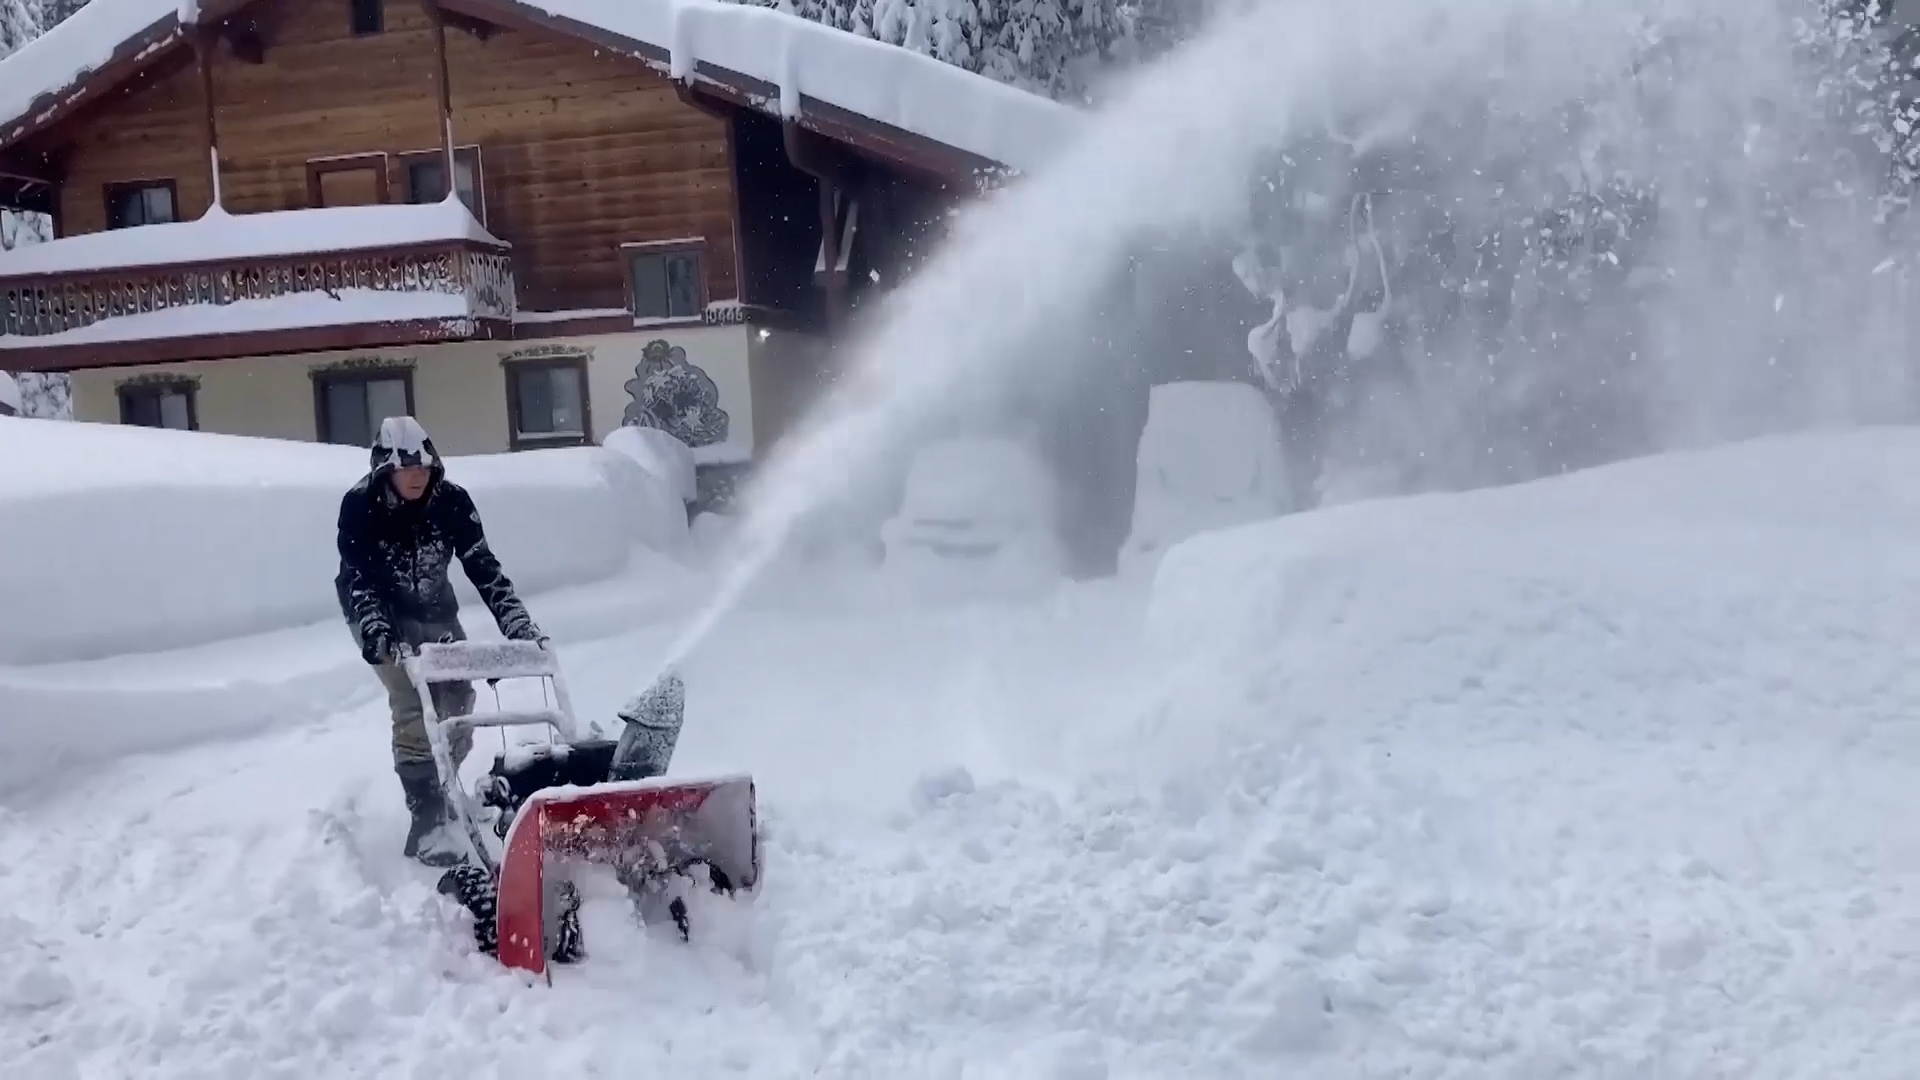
(658, 210)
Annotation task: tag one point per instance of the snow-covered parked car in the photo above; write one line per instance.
(978, 518)
(660, 453)
(10, 401)
(1209, 458)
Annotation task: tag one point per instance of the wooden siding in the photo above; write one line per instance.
(580, 151)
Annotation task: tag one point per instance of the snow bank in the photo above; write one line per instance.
(218, 236)
(882, 82)
(1209, 458)
(1671, 588)
(123, 540)
(978, 518)
(1658, 715)
(57, 720)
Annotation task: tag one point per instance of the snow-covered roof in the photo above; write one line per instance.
(218, 236)
(801, 59)
(60, 60)
(293, 311)
(790, 61)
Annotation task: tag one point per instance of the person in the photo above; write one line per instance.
(400, 527)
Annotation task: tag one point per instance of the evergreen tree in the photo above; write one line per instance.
(20, 22)
(1478, 295)
(1045, 46)
(45, 396)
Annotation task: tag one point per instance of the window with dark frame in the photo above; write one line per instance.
(426, 178)
(547, 403)
(145, 202)
(349, 405)
(369, 17)
(664, 281)
(159, 405)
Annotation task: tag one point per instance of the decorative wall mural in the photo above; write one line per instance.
(675, 396)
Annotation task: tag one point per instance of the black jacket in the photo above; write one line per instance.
(394, 558)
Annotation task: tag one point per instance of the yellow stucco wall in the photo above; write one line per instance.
(459, 389)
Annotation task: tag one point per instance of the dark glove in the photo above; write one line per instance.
(376, 648)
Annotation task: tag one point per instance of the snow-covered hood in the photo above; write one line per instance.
(403, 442)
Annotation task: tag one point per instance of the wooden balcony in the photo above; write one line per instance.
(165, 293)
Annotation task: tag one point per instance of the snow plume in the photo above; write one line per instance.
(1508, 238)
(1172, 153)
(1474, 286)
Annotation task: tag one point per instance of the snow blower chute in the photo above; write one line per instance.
(580, 799)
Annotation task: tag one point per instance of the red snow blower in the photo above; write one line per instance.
(579, 799)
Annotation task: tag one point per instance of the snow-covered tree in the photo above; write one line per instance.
(1046, 46)
(46, 396)
(1475, 291)
(20, 22)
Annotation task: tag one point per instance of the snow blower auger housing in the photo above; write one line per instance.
(582, 799)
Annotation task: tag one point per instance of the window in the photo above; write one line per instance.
(547, 402)
(146, 202)
(349, 405)
(159, 405)
(426, 174)
(664, 280)
(369, 17)
(347, 180)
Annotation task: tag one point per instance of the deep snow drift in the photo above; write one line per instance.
(124, 539)
(1606, 776)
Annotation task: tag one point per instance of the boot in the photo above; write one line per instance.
(430, 838)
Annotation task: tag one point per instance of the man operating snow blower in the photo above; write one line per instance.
(400, 528)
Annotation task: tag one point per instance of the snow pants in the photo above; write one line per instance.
(410, 746)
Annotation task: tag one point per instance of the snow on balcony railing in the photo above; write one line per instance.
(51, 293)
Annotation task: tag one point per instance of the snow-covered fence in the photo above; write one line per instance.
(118, 540)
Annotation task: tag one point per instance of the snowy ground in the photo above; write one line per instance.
(1605, 777)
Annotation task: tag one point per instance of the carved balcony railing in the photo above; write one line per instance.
(479, 274)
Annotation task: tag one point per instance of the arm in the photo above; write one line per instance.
(361, 599)
(483, 569)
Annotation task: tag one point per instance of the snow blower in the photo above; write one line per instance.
(579, 799)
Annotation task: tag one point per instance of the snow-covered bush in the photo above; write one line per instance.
(977, 518)
(1209, 458)
(123, 539)
(43, 396)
